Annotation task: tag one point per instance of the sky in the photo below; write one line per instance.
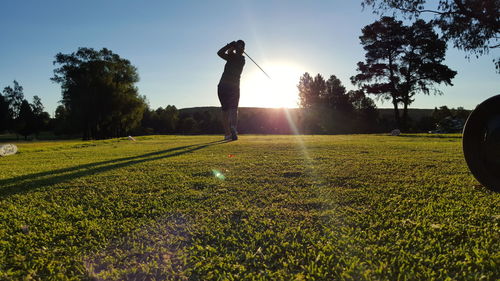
(174, 43)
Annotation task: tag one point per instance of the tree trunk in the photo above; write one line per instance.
(396, 113)
(394, 93)
(405, 115)
(406, 98)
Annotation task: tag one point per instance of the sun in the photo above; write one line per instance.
(257, 90)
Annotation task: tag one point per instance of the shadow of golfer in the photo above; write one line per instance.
(25, 183)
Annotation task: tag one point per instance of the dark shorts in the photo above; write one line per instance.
(229, 96)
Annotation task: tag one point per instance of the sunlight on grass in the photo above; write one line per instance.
(357, 207)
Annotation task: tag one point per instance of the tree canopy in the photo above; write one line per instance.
(307, 96)
(335, 95)
(401, 61)
(14, 96)
(472, 25)
(99, 93)
(18, 115)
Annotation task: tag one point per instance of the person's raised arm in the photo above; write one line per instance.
(223, 51)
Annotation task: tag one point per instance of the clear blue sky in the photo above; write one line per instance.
(174, 43)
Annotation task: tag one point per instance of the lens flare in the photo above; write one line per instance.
(218, 174)
(308, 161)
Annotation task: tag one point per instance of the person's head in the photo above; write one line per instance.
(239, 47)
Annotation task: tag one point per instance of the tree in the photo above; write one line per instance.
(37, 105)
(169, 118)
(306, 95)
(42, 118)
(383, 43)
(188, 125)
(366, 115)
(360, 102)
(14, 97)
(26, 120)
(161, 120)
(312, 93)
(318, 90)
(207, 122)
(456, 113)
(400, 62)
(4, 114)
(421, 63)
(99, 93)
(149, 120)
(61, 122)
(335, 95)
(472, 25)
(440, 113)
(460, 113)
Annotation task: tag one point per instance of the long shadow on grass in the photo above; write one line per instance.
(28, 182)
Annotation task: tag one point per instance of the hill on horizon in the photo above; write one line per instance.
(414, 113)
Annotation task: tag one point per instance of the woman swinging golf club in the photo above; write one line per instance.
(229, 86)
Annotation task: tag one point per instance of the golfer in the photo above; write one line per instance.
(229, 86)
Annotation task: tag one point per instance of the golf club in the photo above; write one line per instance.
(257, 65)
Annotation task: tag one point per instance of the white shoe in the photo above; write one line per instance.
(227, 138)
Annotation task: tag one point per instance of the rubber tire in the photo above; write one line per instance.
(473, 143)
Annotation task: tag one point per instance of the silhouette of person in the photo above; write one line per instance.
(228, 89)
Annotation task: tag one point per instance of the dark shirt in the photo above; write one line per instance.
(232, 69)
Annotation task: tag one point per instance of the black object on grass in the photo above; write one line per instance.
(481, 143)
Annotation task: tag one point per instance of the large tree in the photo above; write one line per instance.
(401, 61)
(422, 63)
(383, 42)
(99, 92)
(472, 25)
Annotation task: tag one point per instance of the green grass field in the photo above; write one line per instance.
(361, 207)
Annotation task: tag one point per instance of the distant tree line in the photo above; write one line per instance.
(329, 108)
(326, 109)
(19, 116)
(440, 120)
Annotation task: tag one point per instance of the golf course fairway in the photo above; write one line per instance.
(344, 207)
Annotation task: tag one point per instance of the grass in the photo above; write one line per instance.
(361, 207)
